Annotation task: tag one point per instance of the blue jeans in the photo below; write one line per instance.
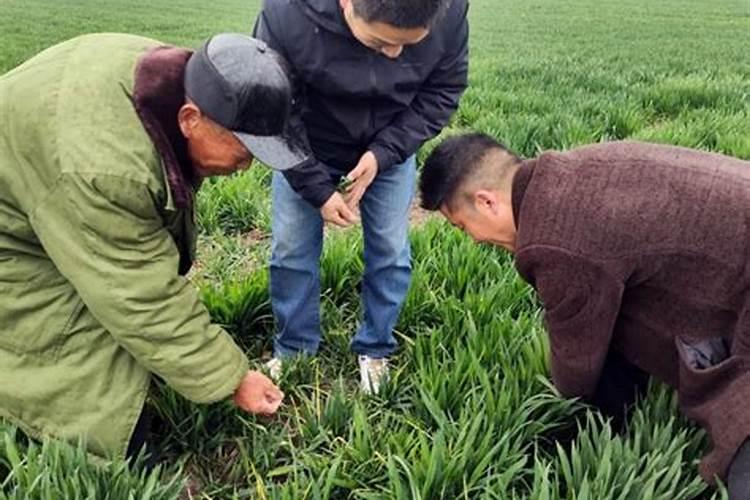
(297, 241)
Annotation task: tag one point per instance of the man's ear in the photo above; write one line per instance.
(189, 118)
(344, 4)
(486, 202)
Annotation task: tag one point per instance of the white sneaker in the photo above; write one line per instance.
(372, 372)
(273, 366)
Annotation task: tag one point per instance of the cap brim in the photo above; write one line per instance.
(278, 152)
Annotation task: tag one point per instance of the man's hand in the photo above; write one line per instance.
(258, 395)
(361, 177)
(336, 211)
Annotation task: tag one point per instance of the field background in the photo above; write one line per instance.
(469, 413)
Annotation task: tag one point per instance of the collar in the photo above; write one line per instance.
(520, 182)
(158, 94)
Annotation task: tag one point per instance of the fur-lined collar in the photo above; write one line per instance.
(158, 95)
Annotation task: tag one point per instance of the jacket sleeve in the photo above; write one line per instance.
(581, 304)
(106, 237)
(311, 179)
(433, 105)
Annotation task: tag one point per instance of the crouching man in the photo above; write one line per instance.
(104, 140)
(639, 254)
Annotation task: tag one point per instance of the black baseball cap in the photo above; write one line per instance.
(245, 86)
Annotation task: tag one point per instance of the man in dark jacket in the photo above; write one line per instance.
(376, 79)
(639, 254)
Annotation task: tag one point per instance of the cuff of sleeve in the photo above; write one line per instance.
(319, 196)
(571, 384)
(311, 181)
(235, 371)
(385, 158)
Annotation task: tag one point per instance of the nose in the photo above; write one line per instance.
(392, 51)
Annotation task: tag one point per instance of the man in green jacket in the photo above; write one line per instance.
(104, 140)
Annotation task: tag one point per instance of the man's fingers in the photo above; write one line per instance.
(269, 402)
(274, 407)
(357, 184)
(345, 212)
(355, 197)
(273, 400)
(268, 407)
(350, 199)
(358, 194)
(274, 394)
(274, 397)
(356, 172)
(337, 211)
(348, 214)
(354, 193)
(335, 218)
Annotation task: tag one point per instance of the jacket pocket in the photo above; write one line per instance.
(37, 315)
(698, 383)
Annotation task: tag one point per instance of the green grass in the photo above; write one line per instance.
(470, 412)
(54, 470)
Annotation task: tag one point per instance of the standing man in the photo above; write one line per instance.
(376, 79)
(104, 140)
(639, 254)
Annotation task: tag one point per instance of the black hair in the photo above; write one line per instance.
(454, 161)
(402, 14)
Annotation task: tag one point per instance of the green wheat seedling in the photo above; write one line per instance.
(469, 411)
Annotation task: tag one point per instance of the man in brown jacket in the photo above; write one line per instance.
(639, 254)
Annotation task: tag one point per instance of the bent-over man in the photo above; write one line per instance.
(639, 254)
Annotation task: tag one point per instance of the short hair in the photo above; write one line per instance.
(403, 14)
(458, 159)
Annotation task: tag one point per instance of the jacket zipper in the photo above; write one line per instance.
(373, 89)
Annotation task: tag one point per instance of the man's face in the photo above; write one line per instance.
(486, 220)
(381, 37)
(213, 149)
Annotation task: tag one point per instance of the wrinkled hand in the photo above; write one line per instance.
(258, 395)
(362, 176)
(336, 211)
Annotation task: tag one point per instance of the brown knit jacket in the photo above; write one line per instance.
(643, 248)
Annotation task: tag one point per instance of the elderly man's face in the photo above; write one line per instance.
(381, 37)
(213, 149)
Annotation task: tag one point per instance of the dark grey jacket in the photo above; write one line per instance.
(352, 99)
